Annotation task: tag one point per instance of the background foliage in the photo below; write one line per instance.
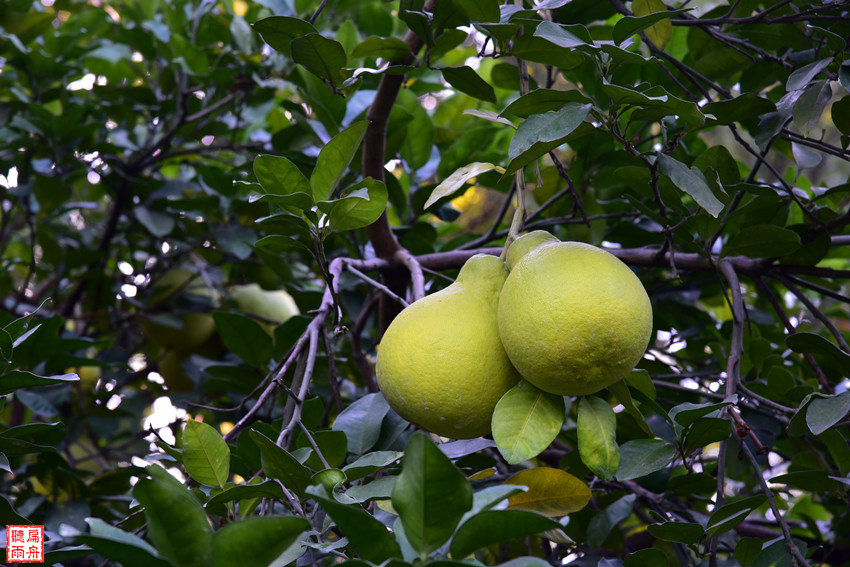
(703, 143)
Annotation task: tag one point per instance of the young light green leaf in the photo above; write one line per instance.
(205, 454)
(640, 457)
(256, 542)
(597, 437)
(525, 421)
(691, 181)
(551, 492)
(454, 182)
(334, 160)
(431, 495)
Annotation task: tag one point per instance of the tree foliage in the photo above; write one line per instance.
(355, 154)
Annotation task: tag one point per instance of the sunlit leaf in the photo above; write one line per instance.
(525, 421)
(597, 437)
(551, 492)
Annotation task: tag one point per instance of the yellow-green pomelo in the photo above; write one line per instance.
(573, 318)
(170, 368)
(193, 328)
(441, 364)
(276, 306)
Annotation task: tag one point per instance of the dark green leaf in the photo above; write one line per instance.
(279, 31)
(840, 114)
(603, 522)
(650, 557)
(778, 555)
(245, 337)
(541, 133)
(431, 495)
(256, 542)
(526, 420)
(543, 100)
(361, 422)
(730, 515)
(809, 108)
(158, 224)
(640, 457)
(129, 549)
(467, 81)
(706, 431)
(370, 463)
(686, 413)
(497, 526)
(630, 25)
(369, 537)
(762, 241)
(244, 491)
(801, 77)
(281, 465)
(823, 413)
(279, 176)
(481, 10)
(620, 390)
(745, 107)
(597, 437)
(390, 49)
(679, 532)
(747, 549)
(20, 379)
(321, 56)
(359, 206)
(564, 36)
(691, 181)
(177, 524)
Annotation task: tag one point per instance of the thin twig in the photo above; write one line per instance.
(733, 365)
(819, 315)
(295, 405)
(376, 284)
(417, 278)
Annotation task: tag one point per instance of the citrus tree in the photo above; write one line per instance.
(211, 213)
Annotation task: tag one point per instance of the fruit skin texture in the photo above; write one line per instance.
(277, 306)
(572, 317)
(441, 364)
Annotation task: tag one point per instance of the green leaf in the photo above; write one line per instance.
(177, 524)
(366, 535)
(281, 465)
(747, 549)
(778, 555)
(205, 454)
(481, 10)
(334, 159)
(454, 182)
(705, 431)
(762, 241)
(361, 422)
(801, 77)
(467, 81)
(431, 495)
(597, 437)
(128, 549)
(661, 31)
(686, 413)
(279, 31)
(730, 515)
(691, 181)
(280, 177)
(602, 523)
(323, 57)
(390, 49)
(158, 224)
(620, 390)
(551, 492)
(21, 379)
(540, 101)
(371, 463)
(655, 103)
(630, 25)
(823, 413)
(569, 37)
(526, 420)
(650, 557)
(844, 75)
(245, 337)
(748, 106)
(809, 108)
(359, 206)
(541, 133)
(245, 491)
(840, 114)
(497, 526)
(256, 542)
(679, 532)
(640, 457)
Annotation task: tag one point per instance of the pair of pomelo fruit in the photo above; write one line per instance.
(568, 317)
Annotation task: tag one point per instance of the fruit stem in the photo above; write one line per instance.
(519, 213)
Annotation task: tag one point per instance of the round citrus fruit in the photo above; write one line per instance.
(441, 364)
(573, 318)
(187, 326)
(274, 306)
